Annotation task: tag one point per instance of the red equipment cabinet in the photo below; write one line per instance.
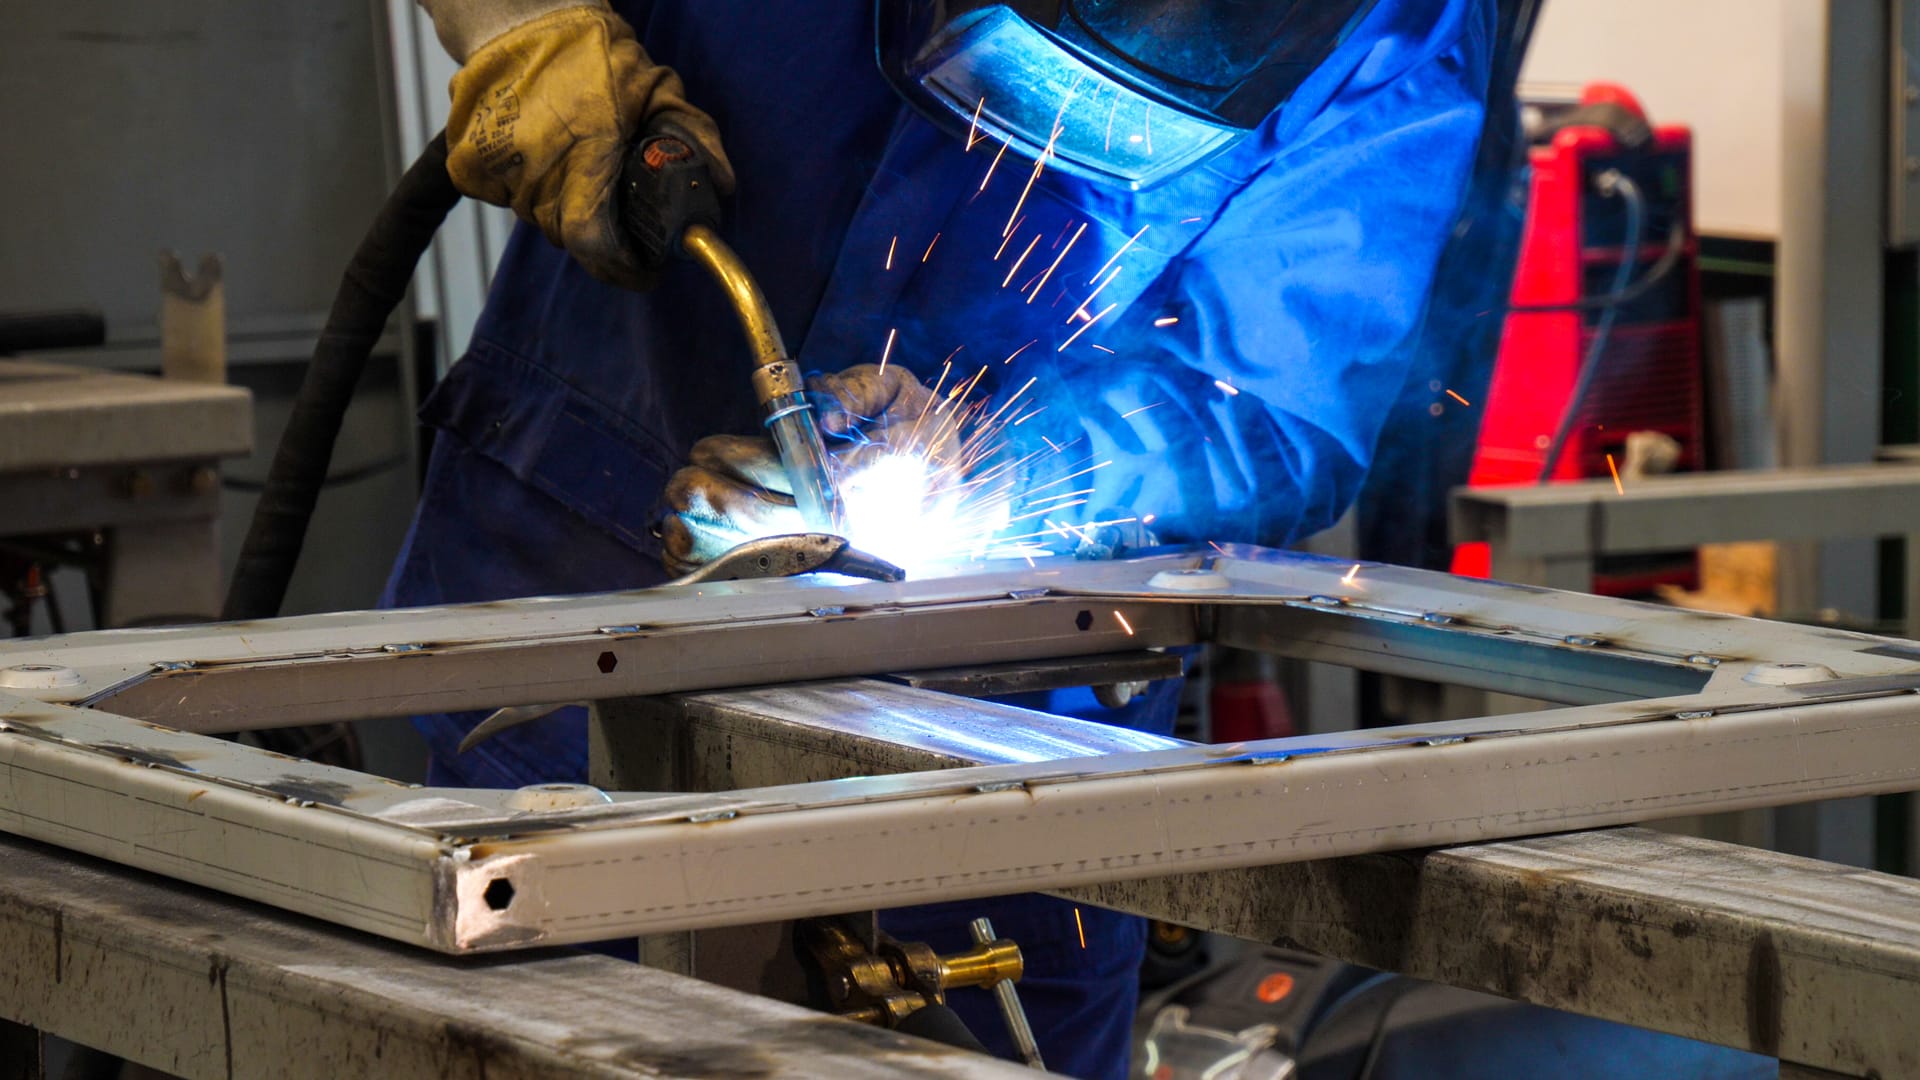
(1650, 375)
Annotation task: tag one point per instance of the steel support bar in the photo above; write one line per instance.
(1771, 953)
(209, 988)
(1664, 513)
(1799, 959)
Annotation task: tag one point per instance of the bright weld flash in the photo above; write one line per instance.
(907, 511)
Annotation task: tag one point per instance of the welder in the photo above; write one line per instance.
(1231, 216)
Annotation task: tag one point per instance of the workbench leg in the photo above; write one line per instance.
(163, 572)
(22, 1052)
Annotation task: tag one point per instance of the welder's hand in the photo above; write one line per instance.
(1121, 532)
(876, 407)
(548, 97)
(733, 489)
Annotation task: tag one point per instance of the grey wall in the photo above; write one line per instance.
(126, 126)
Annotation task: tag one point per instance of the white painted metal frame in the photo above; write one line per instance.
(1679, 712)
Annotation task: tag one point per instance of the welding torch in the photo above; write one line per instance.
(669, 207)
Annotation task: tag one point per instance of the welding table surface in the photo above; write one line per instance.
(62, 416)
(206, 986)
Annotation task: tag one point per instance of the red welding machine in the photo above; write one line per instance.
(1568, 310)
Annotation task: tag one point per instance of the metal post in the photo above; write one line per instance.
(1830, 288)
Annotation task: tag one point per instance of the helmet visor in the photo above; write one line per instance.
(1127, 91)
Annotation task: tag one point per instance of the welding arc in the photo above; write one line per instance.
(374, 284)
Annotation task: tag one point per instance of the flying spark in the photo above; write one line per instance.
(1189, 221)
(1020, 350)
(935, 240)
(888, 351)
(1039, 166)
(1076, 334)
(1106, 350)
(974, 130)
(1124, 624)
(1031, 244)
(1348, 579)
(1082, 927)
(1057, 261)
(1081, 311)
(1229, 388)
(1168, 320)
(1009, 239)
(890, 247)
(1117, 254)
(1612, 468)
(1460, 399)
(995, 165)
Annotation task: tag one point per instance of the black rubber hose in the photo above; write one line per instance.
(374, 284)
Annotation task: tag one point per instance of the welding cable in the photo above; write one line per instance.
(375, 283)
(1377, 1041)
(1669, 258)
(1612, 183)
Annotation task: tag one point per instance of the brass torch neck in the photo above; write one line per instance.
(749, 303)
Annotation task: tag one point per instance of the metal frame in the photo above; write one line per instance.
(1785, 956)
(1743, 713)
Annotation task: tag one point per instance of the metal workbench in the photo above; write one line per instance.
(134, 458)
(210, 988)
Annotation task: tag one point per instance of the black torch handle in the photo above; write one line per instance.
(665, 186)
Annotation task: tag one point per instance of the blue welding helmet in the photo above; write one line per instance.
(1127, 91)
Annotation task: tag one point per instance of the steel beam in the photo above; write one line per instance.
(208, 988)
(1804, 960)
(1664, 513)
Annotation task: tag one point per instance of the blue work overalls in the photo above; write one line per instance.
(1256, 310)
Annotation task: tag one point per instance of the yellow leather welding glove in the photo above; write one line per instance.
(734, 489)
(546, 102)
